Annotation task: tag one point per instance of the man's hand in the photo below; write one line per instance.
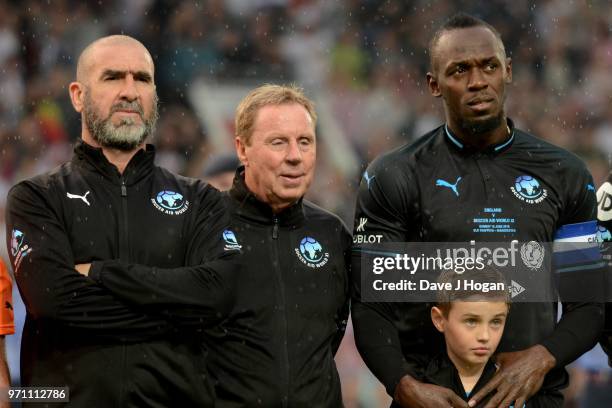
(520, 376)
(411, 393)
(83, 269)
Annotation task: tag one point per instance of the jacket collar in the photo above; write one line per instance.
(441, 371)
(140, 166)
(251, 208)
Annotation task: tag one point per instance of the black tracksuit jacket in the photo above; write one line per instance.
(441, 371)
(110, 352)
(276, 348)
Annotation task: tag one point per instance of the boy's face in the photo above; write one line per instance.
(472, 329)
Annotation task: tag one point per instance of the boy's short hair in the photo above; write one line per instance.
(487, 275)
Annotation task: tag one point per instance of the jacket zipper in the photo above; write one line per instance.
(123, 248)
(123, 255)
(275, 229)
(281, 286)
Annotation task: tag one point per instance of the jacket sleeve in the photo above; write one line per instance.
(342, 314)
(43, 262)
(582, 322)
(192, 296)
(196, 295)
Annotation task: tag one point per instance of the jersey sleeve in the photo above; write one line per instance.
(7, 324)
(581, 200)
(386, 201)
(43, 264)
(581, 323)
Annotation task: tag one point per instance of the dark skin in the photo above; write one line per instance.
(520, 376)
(414, 394)
(470, 73)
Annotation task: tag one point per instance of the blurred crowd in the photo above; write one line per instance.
(369, 57)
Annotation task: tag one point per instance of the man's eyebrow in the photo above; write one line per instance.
(141, 75)
(455, 63)
(490, 59)
(467, 61)
(112, 73)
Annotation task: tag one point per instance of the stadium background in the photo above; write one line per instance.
(363, 62)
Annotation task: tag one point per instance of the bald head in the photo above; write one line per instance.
(115, 93)
(92, 53)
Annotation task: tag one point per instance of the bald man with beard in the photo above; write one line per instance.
(111, 202)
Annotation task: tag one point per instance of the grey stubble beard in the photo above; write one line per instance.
(126, 135)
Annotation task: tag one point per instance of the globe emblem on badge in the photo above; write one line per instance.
(311, 250)
(170, 200)
(602, 234)
(528, 187)
(229, 237)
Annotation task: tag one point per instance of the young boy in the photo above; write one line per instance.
(472, 323)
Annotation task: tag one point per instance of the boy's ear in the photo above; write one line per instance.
(437, 318)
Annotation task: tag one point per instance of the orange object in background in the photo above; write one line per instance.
(7, 324)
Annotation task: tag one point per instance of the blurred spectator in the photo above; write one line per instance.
(179, 134)
(220, 170)
(591, 381)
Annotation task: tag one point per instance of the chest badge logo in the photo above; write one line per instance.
(80, 197)
(528, 189)
(170, 202)
(231, 243)
(444, 183)
(311, 253)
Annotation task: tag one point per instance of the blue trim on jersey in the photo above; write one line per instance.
(501, 146)
(579, 229)
(452, 138)
(460, 145)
